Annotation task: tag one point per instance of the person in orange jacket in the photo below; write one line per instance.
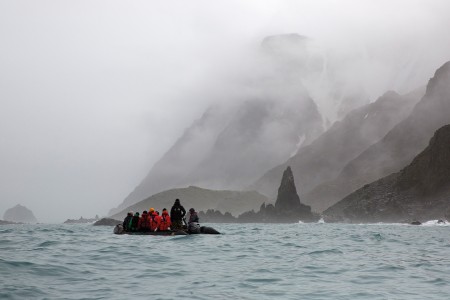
(165, 221)
(155, 220)
(144, 222)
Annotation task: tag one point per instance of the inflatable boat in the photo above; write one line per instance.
(191, 229)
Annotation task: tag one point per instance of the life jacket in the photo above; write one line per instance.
(165, 222)
(154, 221)
(144, 222)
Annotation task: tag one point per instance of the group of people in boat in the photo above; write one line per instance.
(151, 220)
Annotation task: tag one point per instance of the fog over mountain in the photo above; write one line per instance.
(95, 94)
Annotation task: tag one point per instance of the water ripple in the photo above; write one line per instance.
(250, 261)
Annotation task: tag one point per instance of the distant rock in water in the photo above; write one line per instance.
(287, 208)
(215, 216)
(287, 199)
(20, 214)
(107, 222)
(81, 220)
(419, 192)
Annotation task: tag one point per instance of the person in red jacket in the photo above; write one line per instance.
(165, 221)
(155, 220)
(144, 222)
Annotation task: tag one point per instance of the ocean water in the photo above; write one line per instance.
(248, 261)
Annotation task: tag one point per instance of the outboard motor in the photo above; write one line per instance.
(194, 228)
(118, 229)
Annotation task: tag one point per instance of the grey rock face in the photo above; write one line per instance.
(398, 147)
(287, 199)
(419, 192)
(230, 150)
(19, 214)
(287, 208)
(324, 158)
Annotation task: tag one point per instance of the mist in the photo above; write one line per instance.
(92, 94)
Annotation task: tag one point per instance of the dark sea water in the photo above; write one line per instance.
(249, 261)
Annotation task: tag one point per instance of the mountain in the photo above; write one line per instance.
(259, 123)
(325, 157)
(19, 214)
(420, 191)
(396, 149)
(201, 199)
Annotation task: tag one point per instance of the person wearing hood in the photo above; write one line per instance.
(134, 224)
(177, 214)
(154, 219)
(127, 221)
(165, 221)
(144, 222)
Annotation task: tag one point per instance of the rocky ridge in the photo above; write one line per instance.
(397, 148)
(419, 192)
(325, 157)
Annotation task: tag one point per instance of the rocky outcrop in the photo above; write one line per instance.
(287, 208)
(323, 159)
(288, 205)
(398, 148)
(215, 216)
(419, 192)
(19, 214)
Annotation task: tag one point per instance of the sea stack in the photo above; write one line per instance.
(19, 214)
(287, 199)
(288, 206)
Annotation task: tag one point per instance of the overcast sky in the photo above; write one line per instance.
(92, 93)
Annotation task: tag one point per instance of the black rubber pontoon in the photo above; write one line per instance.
(193, 229)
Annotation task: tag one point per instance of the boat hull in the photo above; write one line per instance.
(118, 229)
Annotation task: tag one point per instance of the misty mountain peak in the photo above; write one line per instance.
(439, 83)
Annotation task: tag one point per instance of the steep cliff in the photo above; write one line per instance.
(324, 158)
(421, 191)
(395, 150)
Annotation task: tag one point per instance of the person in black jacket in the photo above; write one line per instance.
(177, 214)
(127, 221)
